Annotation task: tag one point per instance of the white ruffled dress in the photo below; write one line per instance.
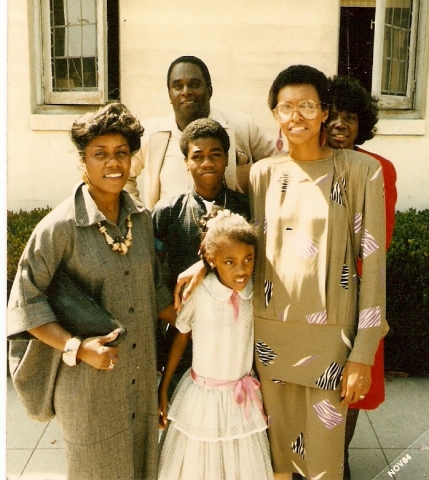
(211, 436)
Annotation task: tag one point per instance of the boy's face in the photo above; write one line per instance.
(207, 161)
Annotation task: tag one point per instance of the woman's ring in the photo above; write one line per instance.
(362, 396)
(111, 364)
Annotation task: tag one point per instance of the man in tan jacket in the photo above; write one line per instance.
(165, 174)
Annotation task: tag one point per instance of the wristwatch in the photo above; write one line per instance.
(70, 351)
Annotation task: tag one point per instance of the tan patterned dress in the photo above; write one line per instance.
(309, 318)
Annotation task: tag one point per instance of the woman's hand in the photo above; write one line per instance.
(96, 353)
(355, 382)
(162, 409)
(189, 279)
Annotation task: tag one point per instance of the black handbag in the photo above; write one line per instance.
(79, 313)
(34, 365)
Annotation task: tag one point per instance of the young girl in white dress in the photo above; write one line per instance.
(217, 427)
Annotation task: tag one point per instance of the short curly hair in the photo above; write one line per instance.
(204, 128)
(348, 95)
(228, 227)
(195, 61)
(112, 118)
(299, 75)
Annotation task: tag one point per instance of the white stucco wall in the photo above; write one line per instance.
(406, 144)
(42, 164)
(410, 155)
(245, 44)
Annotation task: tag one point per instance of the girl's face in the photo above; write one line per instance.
(298, 129)
(234, 263)
(107, 164)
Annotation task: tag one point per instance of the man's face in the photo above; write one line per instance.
(189, 93)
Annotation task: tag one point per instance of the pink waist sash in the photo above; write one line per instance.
(244, 390)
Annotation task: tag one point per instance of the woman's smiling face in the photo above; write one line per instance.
(107, 164)
(299, 130)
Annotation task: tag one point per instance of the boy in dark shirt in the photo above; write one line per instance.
(176, 221)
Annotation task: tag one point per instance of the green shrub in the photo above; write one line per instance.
(407, 283)
(19, 228)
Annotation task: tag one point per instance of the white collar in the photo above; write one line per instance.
(219, 291)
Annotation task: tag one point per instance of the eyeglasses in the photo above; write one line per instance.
(306, 108)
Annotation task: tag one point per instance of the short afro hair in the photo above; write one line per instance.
(348, 95)
(299, 75)
(204, 128)
(112, 118)
(195, 61)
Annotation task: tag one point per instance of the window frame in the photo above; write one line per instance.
(418, 107)
(46, 96)
(393, 102)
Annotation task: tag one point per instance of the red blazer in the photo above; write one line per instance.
(376, 394)
(390, 193)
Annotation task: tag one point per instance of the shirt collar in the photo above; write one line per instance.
(221, 292)
(216, 115)
(86, 212)
(219, 200)
(171, 123)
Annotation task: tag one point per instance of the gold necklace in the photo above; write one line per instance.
(121, 247)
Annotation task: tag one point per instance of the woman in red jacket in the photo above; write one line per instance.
(352, 120)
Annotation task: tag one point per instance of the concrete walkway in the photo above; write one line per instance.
(390, 442)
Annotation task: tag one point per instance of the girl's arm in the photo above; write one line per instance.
(179, 344)
(189, 279)
(168, 315)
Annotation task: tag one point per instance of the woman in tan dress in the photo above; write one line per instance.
(105, 398)
(317, 326)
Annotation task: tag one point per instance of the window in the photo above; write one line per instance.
(80, 63)
(394, 64)
(379, 45)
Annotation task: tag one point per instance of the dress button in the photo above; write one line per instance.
(133, 381)
(134, 345)
(133, 415)
(131, 310)
(127, 272)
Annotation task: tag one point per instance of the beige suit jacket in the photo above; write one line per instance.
(248, 144)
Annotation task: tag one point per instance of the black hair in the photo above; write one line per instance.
(229, 226)
(204, 128)
(195, 61)
(348, 95)
(300, 75)
(112, 118)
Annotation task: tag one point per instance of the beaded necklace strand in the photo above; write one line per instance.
(120, 247)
